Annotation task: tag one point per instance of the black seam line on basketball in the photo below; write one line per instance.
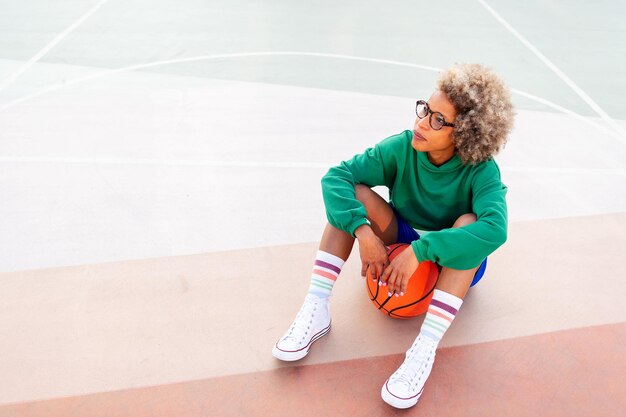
(374, 299)
(385, 302)
(391, 296)
(378, 280)
(392, 313)
(388, 256)
(375, 296)
(393, 250)
(400, 316)
(369, 290)
(377, 289)
(414, 302)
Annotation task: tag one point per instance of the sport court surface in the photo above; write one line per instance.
(159, 173)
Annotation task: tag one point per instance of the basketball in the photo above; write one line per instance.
(417, 296)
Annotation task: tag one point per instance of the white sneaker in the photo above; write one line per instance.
(311, 323)
(404, 387)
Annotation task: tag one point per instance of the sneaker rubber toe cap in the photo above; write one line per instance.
(288, 351)
(398, 395)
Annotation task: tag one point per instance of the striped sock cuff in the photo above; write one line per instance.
(441, 311)
(326, 269)
(330, 258)
(445, 297)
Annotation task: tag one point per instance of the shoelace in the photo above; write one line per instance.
(414, 366)
(302, 324)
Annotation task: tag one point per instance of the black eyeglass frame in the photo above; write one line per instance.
(430, 113)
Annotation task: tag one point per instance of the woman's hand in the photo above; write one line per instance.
(373, 253)
(399, 271)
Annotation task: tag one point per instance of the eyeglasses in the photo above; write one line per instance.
(422, 110)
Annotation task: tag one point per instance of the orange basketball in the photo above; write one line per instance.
(419, 291)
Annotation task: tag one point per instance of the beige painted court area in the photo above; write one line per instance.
(177, 325)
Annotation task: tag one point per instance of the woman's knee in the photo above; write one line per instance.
(374, 204)
(379, 213)
(363, 193)
(464, 220)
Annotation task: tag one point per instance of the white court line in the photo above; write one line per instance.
(106, 73)
(164, 162)
(556, 70)
(553, 170)
(571, 113)
(48, 47)
(265, 164)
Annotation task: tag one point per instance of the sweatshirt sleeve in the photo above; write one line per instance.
(466, 247)
(376, 166)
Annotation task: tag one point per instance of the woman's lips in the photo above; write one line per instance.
(419, 137)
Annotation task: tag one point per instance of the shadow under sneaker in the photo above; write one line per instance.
(311, 323)
(405, 386)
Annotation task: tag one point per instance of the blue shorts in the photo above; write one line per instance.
(406, 234)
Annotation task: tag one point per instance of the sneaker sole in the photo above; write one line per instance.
(295, 355)
(396, 401)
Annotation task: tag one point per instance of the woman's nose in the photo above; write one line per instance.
(423, 123)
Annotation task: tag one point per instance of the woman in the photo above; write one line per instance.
(442, 180)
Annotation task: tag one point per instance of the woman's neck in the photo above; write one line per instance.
(440, 158)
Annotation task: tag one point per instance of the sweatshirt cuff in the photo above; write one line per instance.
(356, 224)
(418, 248)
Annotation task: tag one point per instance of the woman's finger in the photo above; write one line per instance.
(400, 279)
(405, 284)
(380, 269)
(385, 275)
(392, 281)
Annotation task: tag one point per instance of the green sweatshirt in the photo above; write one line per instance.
(428, 197)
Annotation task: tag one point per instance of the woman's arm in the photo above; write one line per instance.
(466, 247)
(376, 166)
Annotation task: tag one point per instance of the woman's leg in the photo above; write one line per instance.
(404, 388)
(455, 281)
(450, 290)
(313, 320)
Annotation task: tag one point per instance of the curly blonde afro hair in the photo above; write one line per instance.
(484, 111)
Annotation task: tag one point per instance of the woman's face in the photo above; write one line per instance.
(438, 143)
